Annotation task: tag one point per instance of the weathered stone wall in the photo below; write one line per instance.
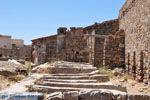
(5, 42)
(17, 42)
(51, 49)
(44, 49)
(76, 46)
(106, 43)
(16, 53)
(134, 19)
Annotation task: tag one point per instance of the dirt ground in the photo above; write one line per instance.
(4, 82)
(133, 87)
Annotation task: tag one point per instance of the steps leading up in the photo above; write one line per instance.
(68, 76)
(51, 89)
(99, 78)
(105, 85)
(63, 67)
(70, 81)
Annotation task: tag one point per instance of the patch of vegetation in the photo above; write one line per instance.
(104, 70)
(30, 87)
(127, 76)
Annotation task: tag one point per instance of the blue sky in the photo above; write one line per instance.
(30, 19)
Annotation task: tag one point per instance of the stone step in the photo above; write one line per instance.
(77, 74)
(106, 85)
(71, 81)
(88, 95)
(51, 89)
(64, 70)
(99, 78)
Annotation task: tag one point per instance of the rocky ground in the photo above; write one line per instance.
(119, 76)
(133, 87)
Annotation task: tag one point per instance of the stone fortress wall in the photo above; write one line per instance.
(134, 19)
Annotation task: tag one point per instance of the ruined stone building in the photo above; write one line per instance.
(120, 42)
(94, 44)
(14, 48)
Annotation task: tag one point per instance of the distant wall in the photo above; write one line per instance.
(17, 42)
(5, 42)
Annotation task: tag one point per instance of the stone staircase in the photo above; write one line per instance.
(68, 77)
(65, 83)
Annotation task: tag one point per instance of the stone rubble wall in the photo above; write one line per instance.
(76, 46)
(134, 19)
(44, 50)
(107, 46)
(16, 53)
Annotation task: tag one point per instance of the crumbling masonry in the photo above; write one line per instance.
(120, 42)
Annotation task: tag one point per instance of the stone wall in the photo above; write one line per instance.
(5, 42)
(105, 40)
(44, 49)
(17, 42)
(134, 19)
(76, 46)
(16, 53)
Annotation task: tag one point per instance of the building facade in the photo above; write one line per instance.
(14, 48)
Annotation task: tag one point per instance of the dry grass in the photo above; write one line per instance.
(16, 78)
(30, 87)
(106, 71)
(6, 81)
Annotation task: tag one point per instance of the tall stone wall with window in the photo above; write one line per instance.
(134, 19)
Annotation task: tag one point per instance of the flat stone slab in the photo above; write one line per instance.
(64, 70)
(51, 89)
(85, 85)
(77, 74)
(100, 78)
(102, 95)
(71, 81)
(63, 67)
